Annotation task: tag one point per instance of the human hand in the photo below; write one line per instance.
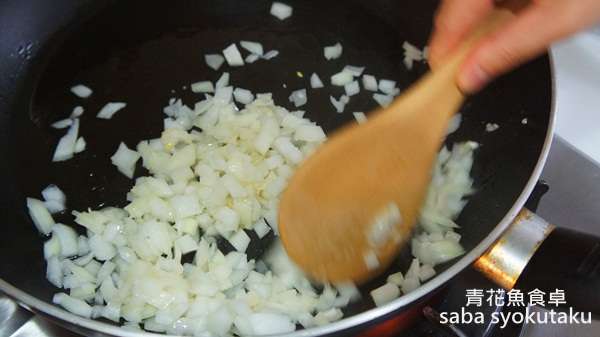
(525, 36)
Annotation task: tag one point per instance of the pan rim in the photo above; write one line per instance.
(36, 305)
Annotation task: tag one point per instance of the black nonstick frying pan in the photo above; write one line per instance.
(144, 52)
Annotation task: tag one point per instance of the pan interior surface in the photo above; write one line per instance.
(144, 53)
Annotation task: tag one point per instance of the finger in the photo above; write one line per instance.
(525, 37)
(454, 19)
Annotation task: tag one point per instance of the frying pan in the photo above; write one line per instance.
(145, 52)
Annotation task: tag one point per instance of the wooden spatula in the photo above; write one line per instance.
(352, 205)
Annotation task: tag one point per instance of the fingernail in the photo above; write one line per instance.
(473, 78)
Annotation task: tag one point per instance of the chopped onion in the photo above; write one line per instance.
(227, 218)
(39, 214)
(340, 104)
(185, 206)
(298, 97)
(315, 81)
(186, 244)
(426, 272)
(83, 246)
(233, 186)
(253, 47)
(348, 290)
(425, 53)
(434, 253)
(243, 96)
(80, 145)
(288, 150)
(268, 132)
(51, 248)
(387, 87)
(67, 239)
(369, 82)
(342, 78)
(66, 145)
(54, 271)
(252, 58)
(203, 86)
(408, 62)
(240, 241)
(233, 56)
(110, 109)
(413, 269)
(54, 206)
(326, 317)
(270, 323)
(74, 305)
(223, 95)
(52, 192)
(215, 61)
(452, 236)
(281, 10)
(454, 124)
(360, 117)
(491, 127)
(77, 112)
(81, 91)
(63, 123)
(435, 237)
(396, 278)
(352, 88)
(451, 183)
(112, 311)
(309, 133)
(207, 184)
(223, 81)
(298, 113)
(54, 199)
(410, 284)
(383, 100)
(333, 52)
(354, 70)
(385, 294)
(270, 54)
(261, 228)
(124, 159)
(105, 271)
(219, 321)
(412, 52)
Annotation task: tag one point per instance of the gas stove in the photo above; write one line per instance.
(570, 202)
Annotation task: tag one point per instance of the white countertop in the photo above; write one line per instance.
(577, 66)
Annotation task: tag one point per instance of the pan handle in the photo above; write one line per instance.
(533, 254)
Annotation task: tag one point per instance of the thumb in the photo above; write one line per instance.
(521, 39)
